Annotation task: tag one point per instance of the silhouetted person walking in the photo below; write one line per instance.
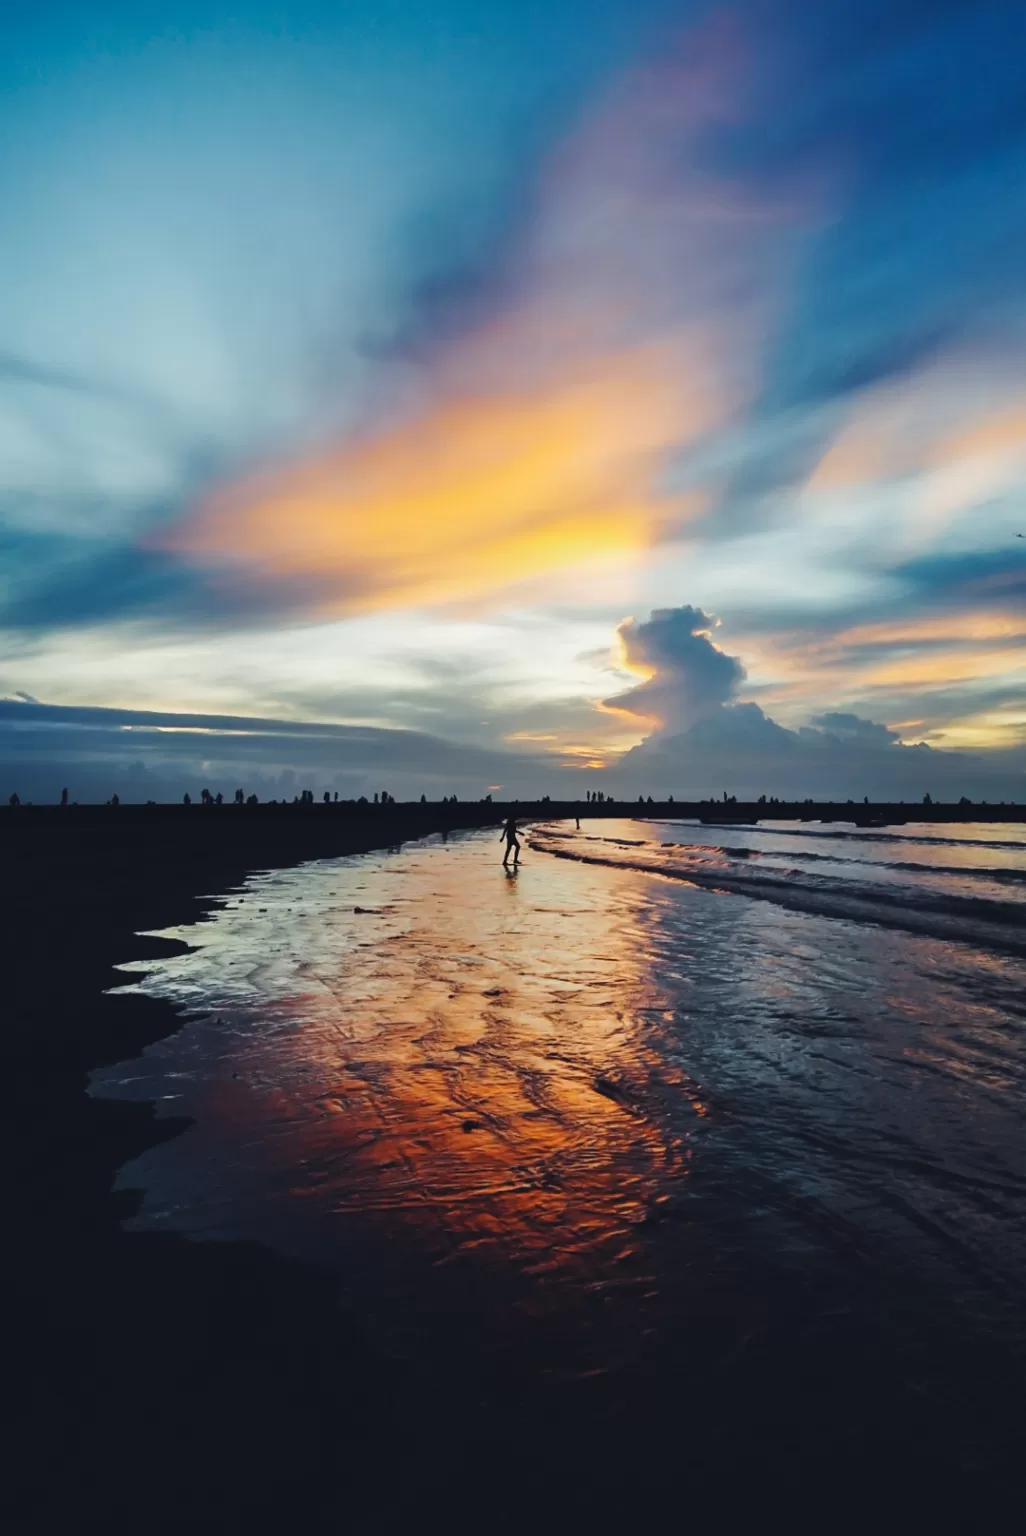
(509, 836)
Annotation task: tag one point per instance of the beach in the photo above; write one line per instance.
(250, 1340)
(679, 1148)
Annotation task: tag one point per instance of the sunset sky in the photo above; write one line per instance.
(623, 394)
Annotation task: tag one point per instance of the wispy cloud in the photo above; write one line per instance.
(538, 436)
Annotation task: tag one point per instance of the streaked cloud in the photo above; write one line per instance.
(314, 409)
(538, 436)
(470, 498)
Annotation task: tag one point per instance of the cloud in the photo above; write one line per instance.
(474, 496)
(944, 658)
(916, 133)
(854, 730)
(143, 755)
(704, 740)
(149, 755)
(740, 750)
(685, 675)
(277, 354)
(537, 435)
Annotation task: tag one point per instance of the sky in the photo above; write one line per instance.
(511, 398)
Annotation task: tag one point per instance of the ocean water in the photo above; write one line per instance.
(669, 1099)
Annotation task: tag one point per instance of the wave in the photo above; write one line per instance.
(981, 921)
(1000, 874)
(862, 836)
(996, 872)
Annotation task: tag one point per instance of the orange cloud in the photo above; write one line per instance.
(914, 653)
(954, 447)
(472, 496)
(539, 436)
(942, 668)
(935, 628)
(950, 657)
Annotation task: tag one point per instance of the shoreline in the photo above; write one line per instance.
(277, 821)
(80, 895)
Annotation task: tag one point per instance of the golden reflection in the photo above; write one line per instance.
(473, 1067)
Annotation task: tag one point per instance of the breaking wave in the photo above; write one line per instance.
(856, 881)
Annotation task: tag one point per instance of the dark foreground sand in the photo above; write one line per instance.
(262, 1398)
(160, 1384)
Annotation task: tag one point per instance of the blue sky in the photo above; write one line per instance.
(396, 366)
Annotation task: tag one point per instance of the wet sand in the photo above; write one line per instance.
(359, 1372)
(155, 1382)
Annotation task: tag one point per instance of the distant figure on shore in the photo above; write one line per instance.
(64, 797)
(509, 837)
(14, 801)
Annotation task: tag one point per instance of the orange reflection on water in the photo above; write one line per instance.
(465, 1053)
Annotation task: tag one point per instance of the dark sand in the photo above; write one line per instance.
(160, 1384)
(261, 1397)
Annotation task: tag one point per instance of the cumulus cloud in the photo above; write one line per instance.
(685, 676)
(740, 750)
(852, 729)
(705, 741)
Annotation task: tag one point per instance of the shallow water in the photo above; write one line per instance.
(668, 1086)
